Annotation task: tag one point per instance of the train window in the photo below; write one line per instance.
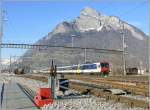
(91, 66)
(104, 65)
(82, 67)
(107, 65)
(74, 68)
(58, 68)
(69, 68)
(63, 68)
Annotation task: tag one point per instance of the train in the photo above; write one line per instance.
(19, 71)
(101, 68)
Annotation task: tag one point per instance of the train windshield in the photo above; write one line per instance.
(104, 65)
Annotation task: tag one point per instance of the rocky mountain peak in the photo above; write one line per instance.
(63, 27)
(88, 11)
(89, 19)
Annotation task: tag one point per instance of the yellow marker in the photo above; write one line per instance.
(78, 69)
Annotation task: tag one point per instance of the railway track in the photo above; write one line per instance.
(129, 79)
(131, 102)
(134, 88)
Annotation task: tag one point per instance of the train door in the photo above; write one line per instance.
(78, 69)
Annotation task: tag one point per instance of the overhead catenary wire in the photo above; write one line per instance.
(32, 46)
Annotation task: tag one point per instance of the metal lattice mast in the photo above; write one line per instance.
(123, 46)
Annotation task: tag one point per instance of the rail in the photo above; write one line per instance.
(129, 101)
(30, 94)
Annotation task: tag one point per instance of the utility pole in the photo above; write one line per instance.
(10, 70)
(85, 55)
(1, 30)
(123, 47)
(123, 42)
(72, 40)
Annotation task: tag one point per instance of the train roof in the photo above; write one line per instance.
(103, 62)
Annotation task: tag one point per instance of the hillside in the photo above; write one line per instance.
(94, 30)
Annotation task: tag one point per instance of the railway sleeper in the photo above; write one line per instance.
(130, 102)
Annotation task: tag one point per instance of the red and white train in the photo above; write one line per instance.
(101, 68)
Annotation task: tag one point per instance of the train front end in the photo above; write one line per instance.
(104, 69)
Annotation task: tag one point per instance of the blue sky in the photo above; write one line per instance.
(29, 21)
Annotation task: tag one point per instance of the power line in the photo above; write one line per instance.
(32, 46)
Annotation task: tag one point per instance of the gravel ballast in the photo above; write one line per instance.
(91, 103)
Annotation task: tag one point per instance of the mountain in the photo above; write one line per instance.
(92, 29)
